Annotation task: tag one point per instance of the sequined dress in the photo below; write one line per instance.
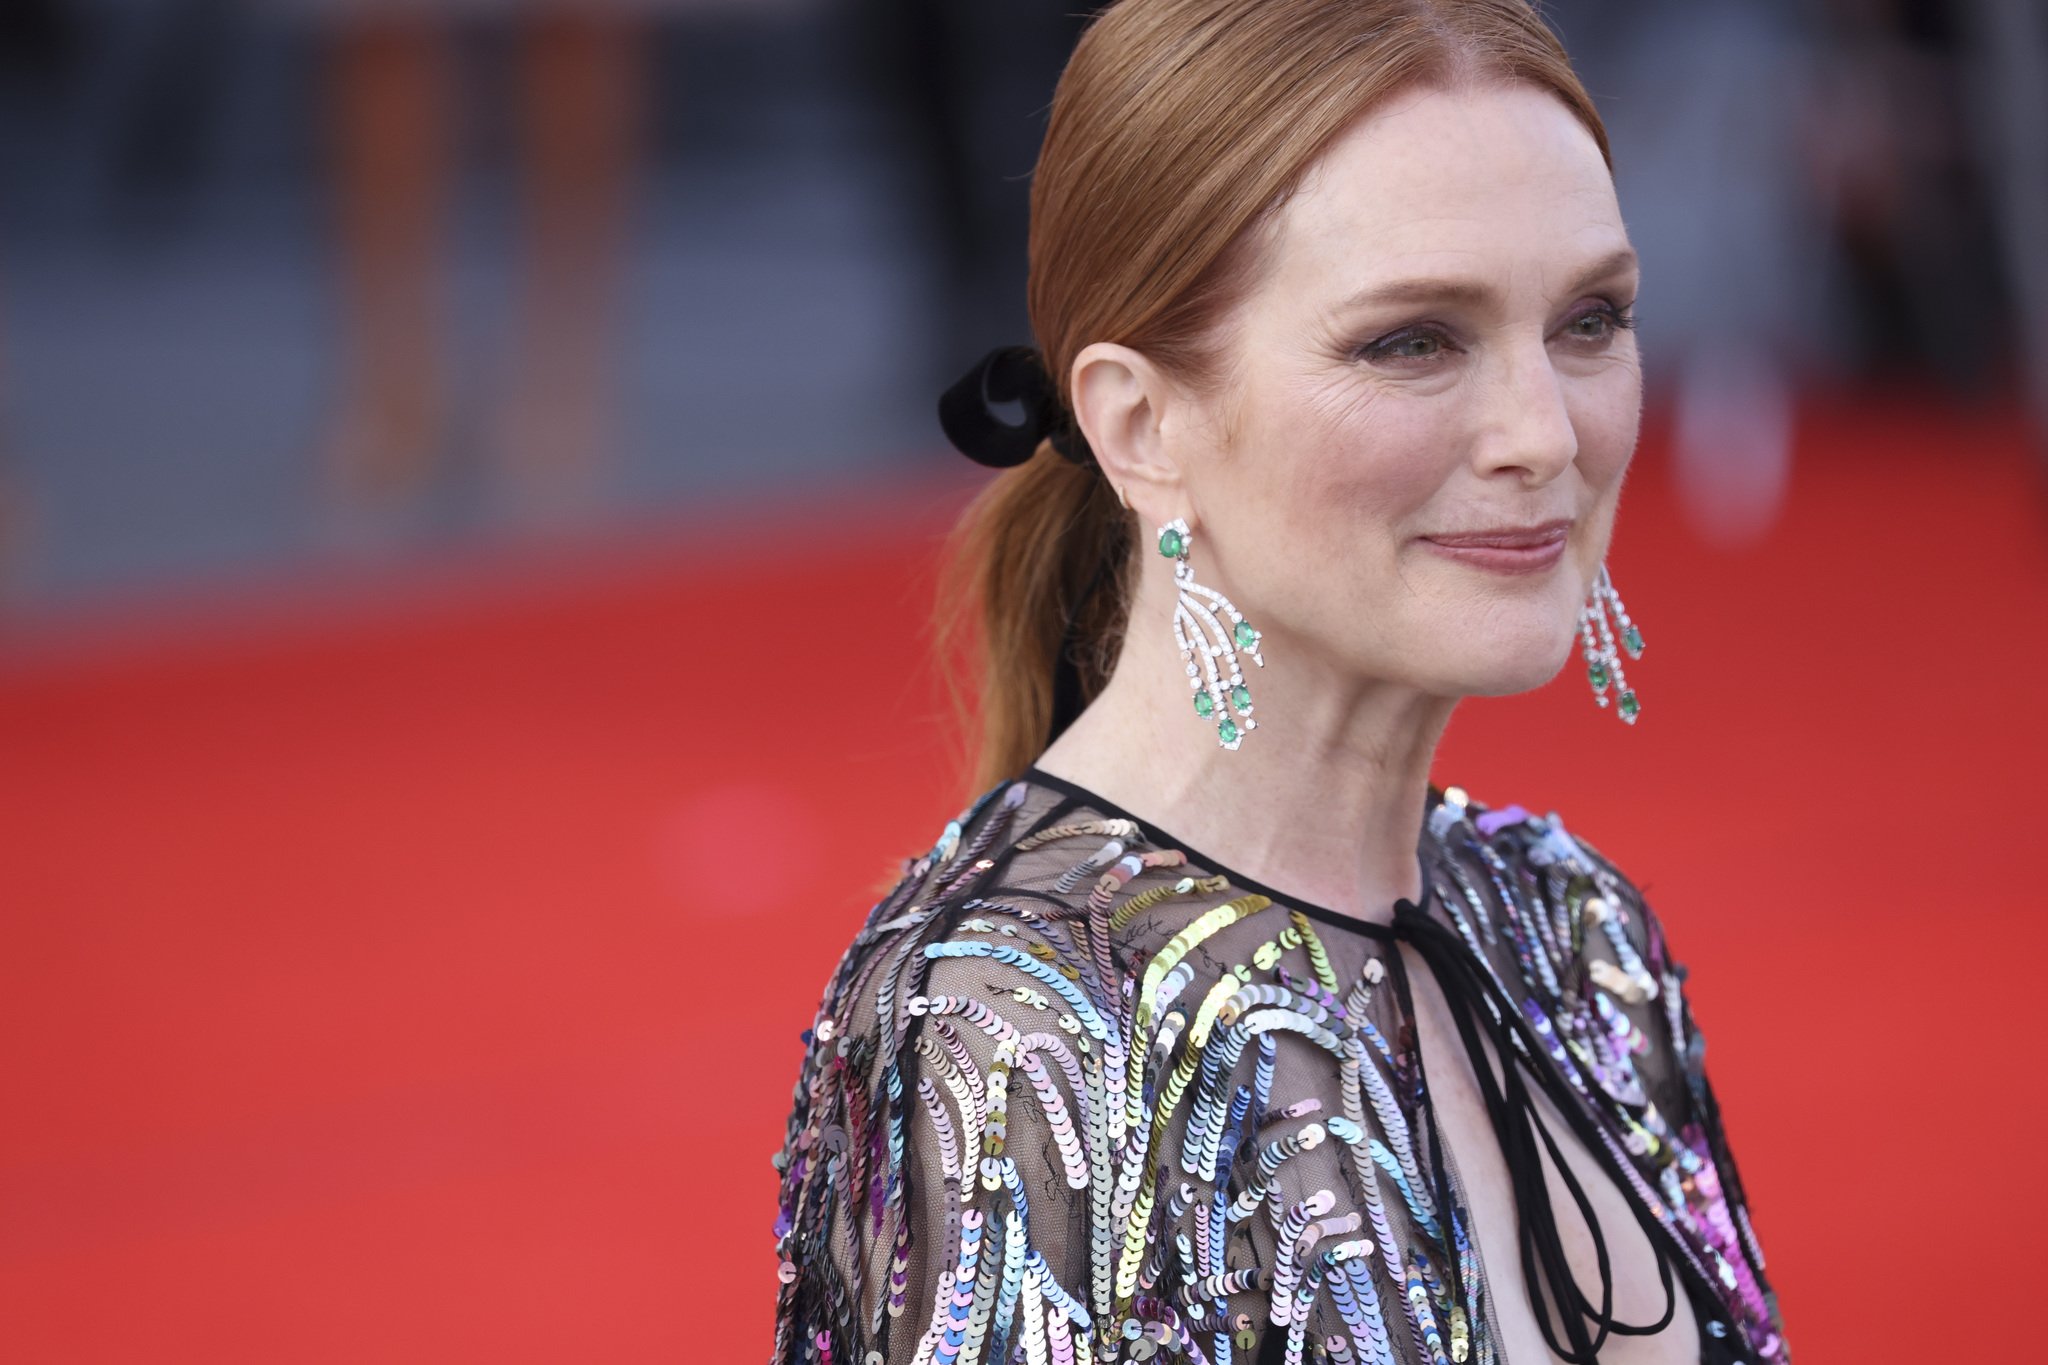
(1077, 1094)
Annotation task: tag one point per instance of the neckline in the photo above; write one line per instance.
(1164, 838)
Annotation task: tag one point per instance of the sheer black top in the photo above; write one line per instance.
(1077, 1093)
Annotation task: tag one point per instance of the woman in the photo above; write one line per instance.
(1337, 396)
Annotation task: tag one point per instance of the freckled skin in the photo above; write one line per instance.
(1317, 457)
(1342, 432)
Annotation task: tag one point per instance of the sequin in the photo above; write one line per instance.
(1054, 1024)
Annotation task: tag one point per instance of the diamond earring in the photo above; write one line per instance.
(1603, 661)
(1197, 631)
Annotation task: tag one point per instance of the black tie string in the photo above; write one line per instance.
(1519, 1126)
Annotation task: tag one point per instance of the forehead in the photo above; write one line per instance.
(1503, 180)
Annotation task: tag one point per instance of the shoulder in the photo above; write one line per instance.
(972, 948)
(1515, 848)
(1574, 938)
(943, 1089)
(1579, 943)
(982, 907)
(1020, 938)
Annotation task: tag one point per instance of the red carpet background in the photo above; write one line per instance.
(414, 973)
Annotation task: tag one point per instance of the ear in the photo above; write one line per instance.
(1123, 403)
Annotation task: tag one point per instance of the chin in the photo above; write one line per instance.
(1495, 661)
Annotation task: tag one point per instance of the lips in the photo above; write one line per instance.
(1506, 537)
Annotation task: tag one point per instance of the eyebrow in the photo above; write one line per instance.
(1423, 289)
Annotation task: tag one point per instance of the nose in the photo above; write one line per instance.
(1527, 424)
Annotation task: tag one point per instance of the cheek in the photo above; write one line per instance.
(1606, 411)
(1363, 461)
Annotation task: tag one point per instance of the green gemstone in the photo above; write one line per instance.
(1633, 638)
(1246, 636)
(1227, 731)
(1241, 697)
(1204, 704)
(1629, 705)
(1170, 543)
(1597, 673)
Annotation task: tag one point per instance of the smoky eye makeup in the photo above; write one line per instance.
(1615, 318)
(1418, 343)
(1415, 342)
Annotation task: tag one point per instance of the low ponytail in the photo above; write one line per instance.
(1016, 565)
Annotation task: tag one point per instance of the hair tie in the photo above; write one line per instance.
(1008, 374)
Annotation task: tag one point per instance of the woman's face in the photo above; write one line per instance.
(1437, 345)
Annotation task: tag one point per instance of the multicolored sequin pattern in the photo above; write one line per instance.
(1070, 1098)
(1591, 970)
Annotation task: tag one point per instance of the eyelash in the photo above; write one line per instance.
(1621, 317)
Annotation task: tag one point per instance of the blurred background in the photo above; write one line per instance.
(469, 488)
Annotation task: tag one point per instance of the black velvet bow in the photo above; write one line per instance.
(1008, 374)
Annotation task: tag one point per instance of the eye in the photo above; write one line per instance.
(1410, 345)
(1601, 323)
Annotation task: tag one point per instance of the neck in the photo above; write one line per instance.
(1324, 800)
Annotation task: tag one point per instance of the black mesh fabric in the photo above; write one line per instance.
(1076, 1094)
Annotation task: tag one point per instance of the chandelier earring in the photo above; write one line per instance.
(1208, 647)
(1597, 637)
